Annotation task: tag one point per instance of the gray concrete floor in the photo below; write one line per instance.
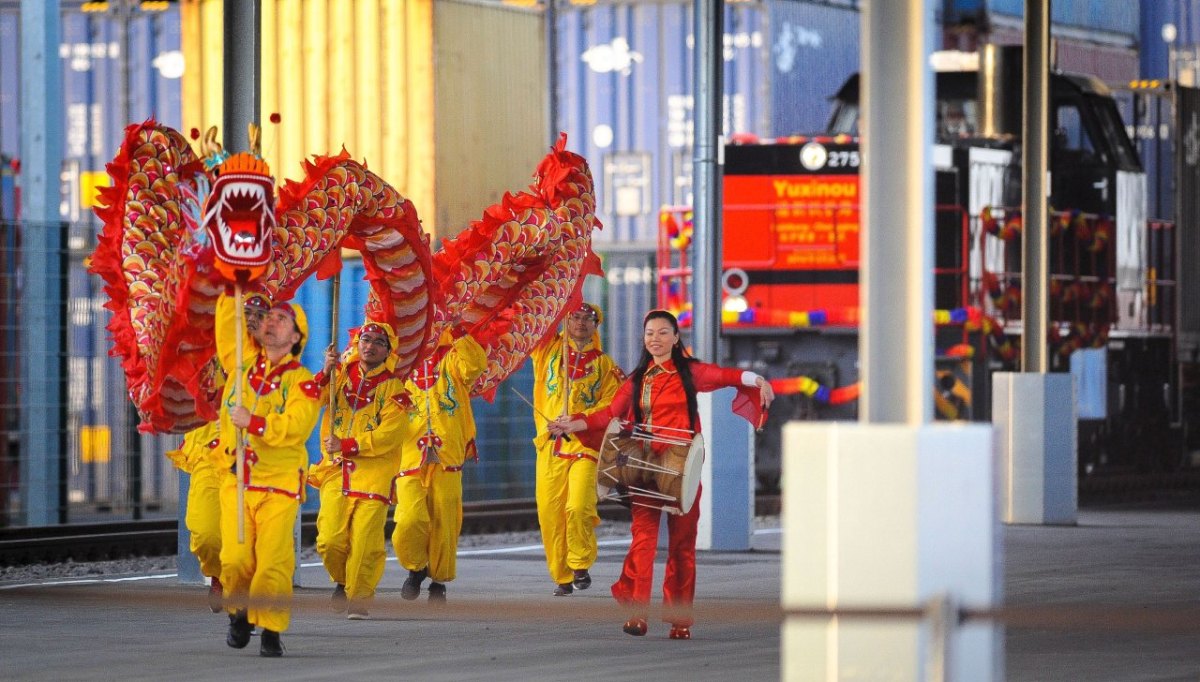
(1124, 586)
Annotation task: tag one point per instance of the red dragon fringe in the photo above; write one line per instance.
(163, 298)
(512, 276)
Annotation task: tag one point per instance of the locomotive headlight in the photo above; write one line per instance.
(734, 282)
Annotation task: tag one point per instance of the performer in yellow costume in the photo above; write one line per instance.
(440, 438)
(361, 442)
(197, 454)
(279, 410)
(566, 469)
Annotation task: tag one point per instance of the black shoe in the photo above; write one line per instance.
(563, 590)
(437, 593)
(239, 630)
(412, 585)
(269, 644)
(583, 579)
(338, 600)
(215, 595)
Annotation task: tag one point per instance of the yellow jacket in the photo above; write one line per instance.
(225, 331)
(285, 402)
(594, 380)
(440, 389)
(370, 419)
(201, 447)
(194, 456)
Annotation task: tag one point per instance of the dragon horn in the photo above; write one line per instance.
(210, 145)
(255, 134)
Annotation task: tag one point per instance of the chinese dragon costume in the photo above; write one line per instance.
(508, 279)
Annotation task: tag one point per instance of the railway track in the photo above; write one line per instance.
(123, 539)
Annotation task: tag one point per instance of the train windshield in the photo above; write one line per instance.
(1113, 129)
(844, 120)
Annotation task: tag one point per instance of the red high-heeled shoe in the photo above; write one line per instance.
(635, 626)
(680, 632)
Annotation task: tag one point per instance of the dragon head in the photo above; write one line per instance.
(239, 215)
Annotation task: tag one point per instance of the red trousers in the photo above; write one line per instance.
(632, 589)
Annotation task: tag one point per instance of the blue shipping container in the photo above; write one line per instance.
(1113, 16)
(10, 46)
(95, 107)
(814, 49)
(624, 74)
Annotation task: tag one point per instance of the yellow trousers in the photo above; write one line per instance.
(203, 519)
(566, 503)
(428, 521)
(351, 541)
(257, 574)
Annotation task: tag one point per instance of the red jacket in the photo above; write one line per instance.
(664, 403)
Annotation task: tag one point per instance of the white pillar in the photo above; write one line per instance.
(187, 566)
(1034, 415)
(888, 516)
(891, 512)
(727, 500)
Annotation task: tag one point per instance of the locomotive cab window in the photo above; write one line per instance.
(1071, 136)
(844, 120)
(1108, 120)
(956, 118)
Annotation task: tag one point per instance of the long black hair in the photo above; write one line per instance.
(683, 364)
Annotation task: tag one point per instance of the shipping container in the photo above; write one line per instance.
(1111, 64)
(10, 47)
(1112, 16)
(624, 74)
(624, 293)
(624, 79)
(95, 106)
(114, 70)
(814, 49)
(361, 74)
(353, 73)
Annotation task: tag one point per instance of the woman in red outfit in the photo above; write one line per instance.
(662, 392)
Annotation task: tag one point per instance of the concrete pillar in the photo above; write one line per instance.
(888, 516)
(727, 503)
(43, 452)
(891, 512)
(1034, 415)
(187, 566)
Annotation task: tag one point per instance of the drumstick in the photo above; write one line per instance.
(565, 436)
(653, 427)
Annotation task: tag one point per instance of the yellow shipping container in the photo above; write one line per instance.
(444, 99)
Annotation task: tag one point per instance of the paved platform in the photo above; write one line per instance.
(1125, 583)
